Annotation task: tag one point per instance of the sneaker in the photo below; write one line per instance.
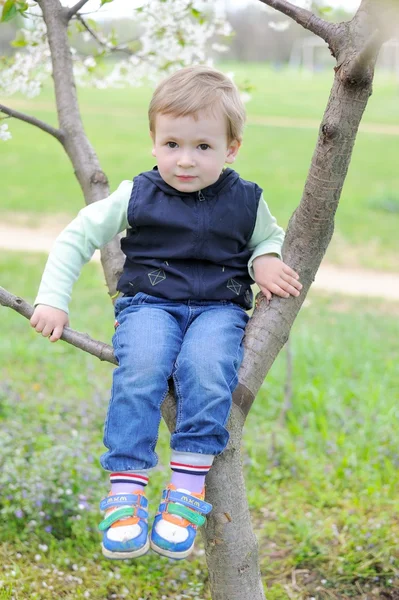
(125, 526)
(175, 525)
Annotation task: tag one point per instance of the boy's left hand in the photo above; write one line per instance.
(275, 277)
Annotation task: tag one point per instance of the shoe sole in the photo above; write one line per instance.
(124, 555)
(170, 553)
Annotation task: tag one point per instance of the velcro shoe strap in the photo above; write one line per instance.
(188, 514)
(191, 501)
(119, 513)
(123, 500)
(141, 513)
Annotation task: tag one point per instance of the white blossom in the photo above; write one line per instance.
(4, 133)
(30, 66)
(171, 37)
(174, 34)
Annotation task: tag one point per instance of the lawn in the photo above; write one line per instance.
(322, 484)
(38, 179)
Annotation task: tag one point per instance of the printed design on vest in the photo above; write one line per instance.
(234, 286)
(157, 276)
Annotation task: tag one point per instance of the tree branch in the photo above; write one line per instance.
(75, 338)
(304, 17)
(100, 41)
(72, 11)
(57, 133)
(365, 57)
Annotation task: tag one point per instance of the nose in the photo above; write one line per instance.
(185, 160)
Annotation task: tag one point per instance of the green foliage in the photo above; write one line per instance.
(198, 15)
(322, 484)
(274, 153)
(19, 41)
(12, 8)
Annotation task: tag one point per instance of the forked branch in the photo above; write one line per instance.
(74, 9)
(304, 17)
(101, 42)
(365, 57)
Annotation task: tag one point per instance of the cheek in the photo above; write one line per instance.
(215, 163)
(165, 161)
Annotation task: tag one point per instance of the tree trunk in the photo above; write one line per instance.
(233, 568)
(92, 180)
(231, 547)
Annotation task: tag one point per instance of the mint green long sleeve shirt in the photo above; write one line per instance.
(99, 222)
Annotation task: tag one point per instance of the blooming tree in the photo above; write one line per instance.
(173, 34)
(231, 547)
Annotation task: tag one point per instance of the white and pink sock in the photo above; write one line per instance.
(126, 483)
(188, 474)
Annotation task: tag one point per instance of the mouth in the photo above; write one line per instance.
(186, 177)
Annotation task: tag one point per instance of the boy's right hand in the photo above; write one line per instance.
(49, 321)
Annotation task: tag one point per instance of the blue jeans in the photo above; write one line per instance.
(199, 344)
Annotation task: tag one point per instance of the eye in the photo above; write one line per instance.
(171, 144)
(204, 146)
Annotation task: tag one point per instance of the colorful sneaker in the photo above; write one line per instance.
(125, 527)
(175, 525)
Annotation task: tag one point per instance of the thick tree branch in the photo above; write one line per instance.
(74, 9)
(85, 162)
(304, 17)
(365, 57)
(75, 338)
(57, 133)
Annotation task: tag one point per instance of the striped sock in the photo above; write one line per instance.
(189, 470)
(128, 481)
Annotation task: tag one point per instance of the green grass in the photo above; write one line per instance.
(37, 178)
(322, 485)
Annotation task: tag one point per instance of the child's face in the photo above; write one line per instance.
(191, 152)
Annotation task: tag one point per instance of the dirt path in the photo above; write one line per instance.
(353, 282)
(296, 123)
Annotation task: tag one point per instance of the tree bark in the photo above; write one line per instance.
(92, 180)
(233, 566)
(231, 547)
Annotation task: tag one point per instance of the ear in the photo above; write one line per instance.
(152, 135)
(232, 151)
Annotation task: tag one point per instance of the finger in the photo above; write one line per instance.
(39, 326)
(266, 293)
(57, 333)
(34, 320)
(289, 271)
(289, 284)
(279, 291)
(47, 330)
(292, 291)
(291, 280)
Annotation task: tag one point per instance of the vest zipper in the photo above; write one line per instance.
(201, 198)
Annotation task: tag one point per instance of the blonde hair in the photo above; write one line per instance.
(198, 88)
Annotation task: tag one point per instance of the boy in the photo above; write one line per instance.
(193, 229)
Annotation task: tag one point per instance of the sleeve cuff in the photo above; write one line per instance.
(264, 248)
(52, 300)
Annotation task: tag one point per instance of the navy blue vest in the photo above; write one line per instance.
(183, 246)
